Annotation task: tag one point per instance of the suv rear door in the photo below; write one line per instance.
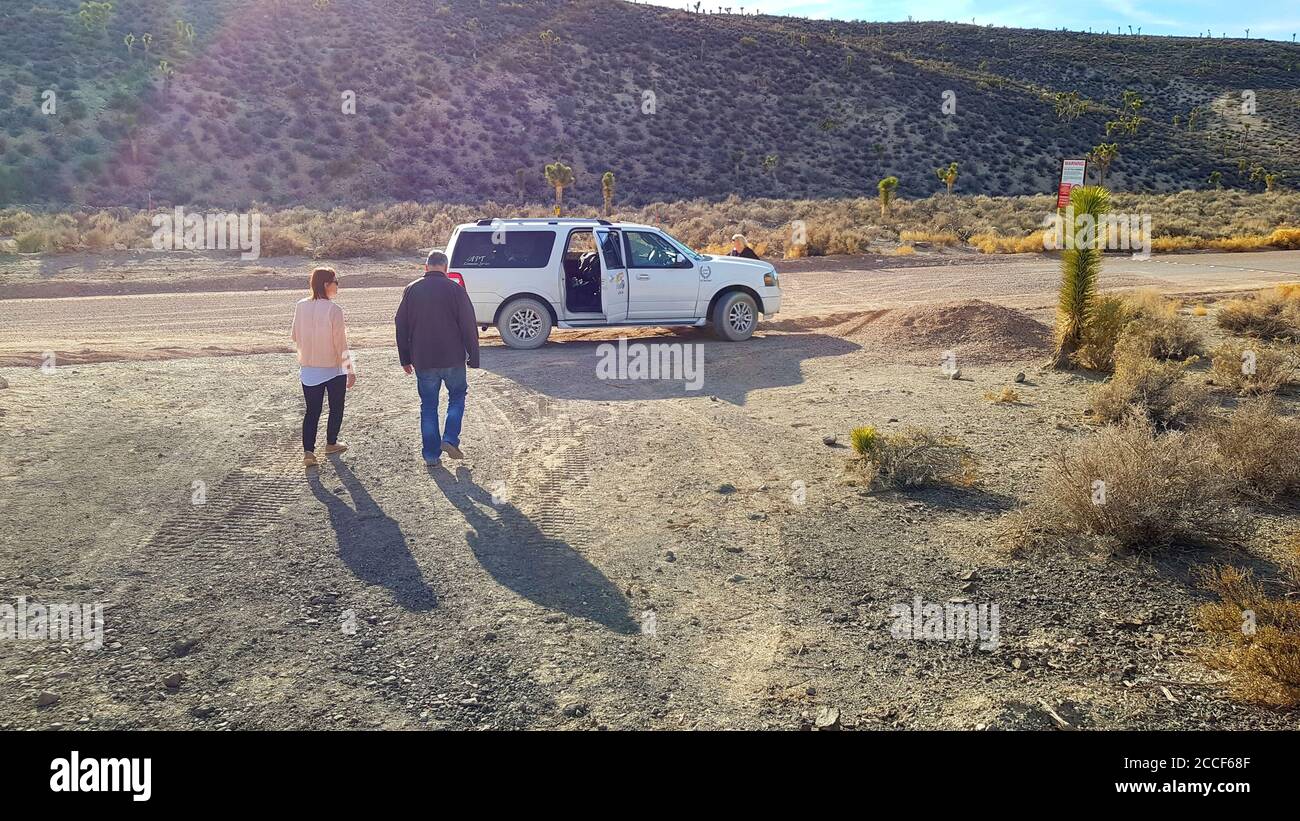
(613, 275)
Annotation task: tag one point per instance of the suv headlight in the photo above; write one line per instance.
(770, 279)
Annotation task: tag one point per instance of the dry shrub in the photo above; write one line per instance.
(282, 242)
(1107, 319)
(1169, 335)
(931, 237)
(1258, 449)
(408, 239)
(1006, 396)
(1258, 632)
(348, 244)
(1127, 488)
(904, 250)
(913, 457)
(1251, 369)
(998, 244)
(1155, 389)
(1272, 314)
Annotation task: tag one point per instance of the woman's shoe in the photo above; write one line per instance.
(338, 447)
(308, 459)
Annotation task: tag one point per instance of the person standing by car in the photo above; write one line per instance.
(740, 247)
(436, 338)
(321, 338)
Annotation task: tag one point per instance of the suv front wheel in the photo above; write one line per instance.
(735, 316)
(524, 323)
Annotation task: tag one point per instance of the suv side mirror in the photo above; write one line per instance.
(682, 261)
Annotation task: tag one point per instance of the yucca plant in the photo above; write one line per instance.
(607, 190)
(887, 187)
(1080, 267)
(559, 176)
(947, 175)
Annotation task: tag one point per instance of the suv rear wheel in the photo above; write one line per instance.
(524, 323)
(735, 316)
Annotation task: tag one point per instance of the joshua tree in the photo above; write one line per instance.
(146, 40)
(1068, 106)
(607, 190)
(549, 39)
(1216, 179)
(166, 71)
(95, 16)
(129, 40)
(887, 187)
(521, 183)
(770, 162)
(947, 175)
(1103, 155)
(1127, 116)
(560, 177)
(1080, 266)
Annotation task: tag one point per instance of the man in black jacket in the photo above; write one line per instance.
(436, 337)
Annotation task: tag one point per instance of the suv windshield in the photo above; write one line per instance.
(685, 249)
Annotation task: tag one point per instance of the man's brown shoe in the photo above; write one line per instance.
(452, 451)
(335, 448)
(308, 459)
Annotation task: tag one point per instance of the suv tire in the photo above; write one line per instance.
(524, 323)
(735, 316)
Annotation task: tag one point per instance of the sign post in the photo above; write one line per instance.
(1073, 172)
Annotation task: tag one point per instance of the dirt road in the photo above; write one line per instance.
(612, 554)
(167, 325)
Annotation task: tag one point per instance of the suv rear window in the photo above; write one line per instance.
(521, 249)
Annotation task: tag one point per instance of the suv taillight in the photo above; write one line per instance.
(456, 278)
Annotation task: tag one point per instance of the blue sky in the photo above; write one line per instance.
(1274, 19)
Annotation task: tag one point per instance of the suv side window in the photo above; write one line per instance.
(647, 250)
(610, 248)
(516, 249)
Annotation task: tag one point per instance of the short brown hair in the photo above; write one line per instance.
(319, 279)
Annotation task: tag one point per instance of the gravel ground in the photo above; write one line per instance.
(610, 554)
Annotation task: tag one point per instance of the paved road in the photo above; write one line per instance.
(160, 326)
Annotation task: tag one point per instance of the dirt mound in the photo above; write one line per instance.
(975, 330)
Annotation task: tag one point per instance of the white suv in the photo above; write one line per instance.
(527, 276)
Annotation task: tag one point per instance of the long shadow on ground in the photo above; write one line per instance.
(519, 556)
(371, 543)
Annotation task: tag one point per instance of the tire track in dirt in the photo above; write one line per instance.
(241, 509)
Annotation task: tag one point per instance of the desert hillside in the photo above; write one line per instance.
(234, 101)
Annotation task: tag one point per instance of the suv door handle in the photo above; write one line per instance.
(642, 276)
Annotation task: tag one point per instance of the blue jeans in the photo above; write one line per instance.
(429, 383)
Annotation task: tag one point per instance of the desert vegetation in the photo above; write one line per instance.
(231, 102)
(831, 226)
(913, 457)
(1256, 626)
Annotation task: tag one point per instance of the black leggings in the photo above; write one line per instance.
(315, 394)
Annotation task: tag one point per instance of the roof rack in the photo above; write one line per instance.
(545, 220)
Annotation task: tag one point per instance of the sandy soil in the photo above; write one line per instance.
(611, 554)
